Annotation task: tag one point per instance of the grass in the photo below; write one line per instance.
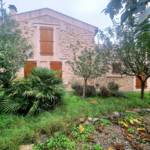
(18, 130)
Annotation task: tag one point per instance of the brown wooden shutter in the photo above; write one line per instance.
(28, 66)
(56, 66)
(46, 41)
(115, 67)
(138, 82)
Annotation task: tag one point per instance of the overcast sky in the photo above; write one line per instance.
(88, 11)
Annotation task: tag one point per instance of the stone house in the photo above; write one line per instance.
(51, 34)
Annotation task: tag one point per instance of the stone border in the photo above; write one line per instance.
(115, 115)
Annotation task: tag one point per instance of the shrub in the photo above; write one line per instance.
(112, 86)
(39, 92)
(121, 94)
(104, 91)
(78, 88)
(90, 90)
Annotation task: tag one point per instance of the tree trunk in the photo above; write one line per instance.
(84, 88)
(142, 89)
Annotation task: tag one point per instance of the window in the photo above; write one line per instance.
(46, 41)
(116, 68)
(28, 66)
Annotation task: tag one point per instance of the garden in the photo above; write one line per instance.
(68, 121)
(37, 112)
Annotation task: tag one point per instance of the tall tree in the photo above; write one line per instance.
(87, 64)
(131, 47)
(1, 4)
(14, 49)
(128, 8)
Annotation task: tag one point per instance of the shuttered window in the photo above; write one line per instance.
(116, 68)
(46, 41)
(56, 66)
(138, 82)
(28, 66)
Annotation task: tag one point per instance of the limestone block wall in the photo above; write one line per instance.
(65, 35)
(125, 83)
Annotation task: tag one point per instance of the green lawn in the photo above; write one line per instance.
(18, 130)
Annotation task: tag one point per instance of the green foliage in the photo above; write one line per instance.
(131, 8)
(129, 116)
(130, 47)
(131, 131)
(87, 64)
(14, 49)
(86, 146)
(104, 91)
(41, 91)
(85, 134)
(20, 130)
(105, 122)
(119, 122)
(59, 142)
(140, 124)
(112, 86)
(97, 147)
(144, 142)
(39, 146)
(121, 94)
(78, 88)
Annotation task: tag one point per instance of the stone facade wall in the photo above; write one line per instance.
(125, 83)
(66, 34)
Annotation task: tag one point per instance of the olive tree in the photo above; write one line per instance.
(131, 47)
(87, 64)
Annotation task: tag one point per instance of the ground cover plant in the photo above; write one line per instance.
(18, 130)
(98, 135)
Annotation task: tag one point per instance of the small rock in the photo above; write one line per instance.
(43, 138)
(95, 132)
(122, 114)
(148, 128)
(116, 114)
(137, 110)
(130, 112)
(106, 117)
(26, 147)
(86, 122)
(90, 119)
(145, 109)
(95, 120)
(81, 120)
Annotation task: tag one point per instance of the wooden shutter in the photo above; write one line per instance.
(56, 66)
(138, 82)
(28, 66)
(115, 67)
(46, 41)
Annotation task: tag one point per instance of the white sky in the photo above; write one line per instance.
(88, 11)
